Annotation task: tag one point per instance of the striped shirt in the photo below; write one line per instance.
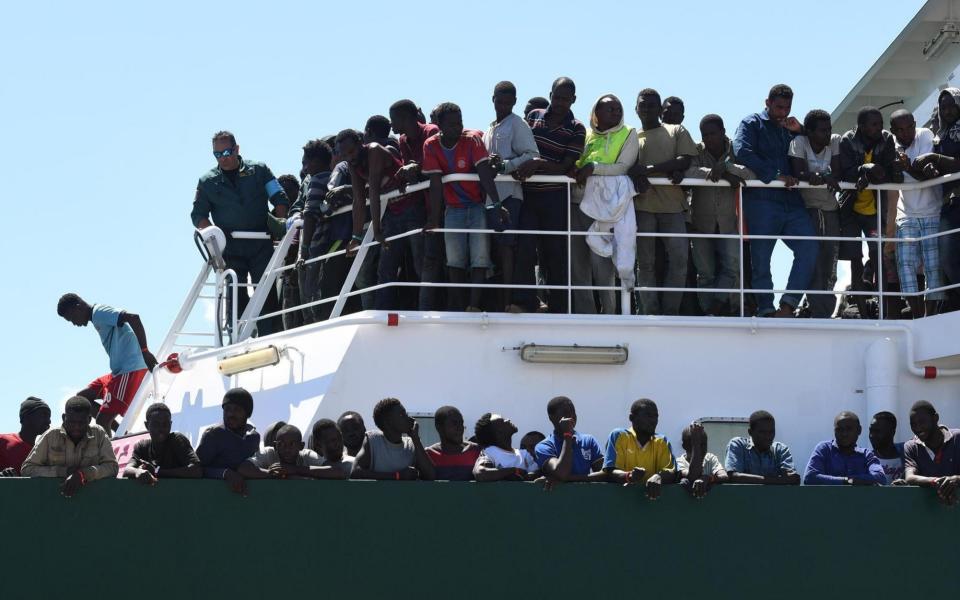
(555, 144)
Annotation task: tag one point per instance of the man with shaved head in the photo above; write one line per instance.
(840, 461)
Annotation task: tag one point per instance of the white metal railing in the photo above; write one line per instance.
(252, 313)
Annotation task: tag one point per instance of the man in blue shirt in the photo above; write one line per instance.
(568, 455)
(224, 447)
(125, 341)
(758, 458)
(840, 461)
(762, 144)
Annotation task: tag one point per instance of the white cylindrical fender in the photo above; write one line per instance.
(882, 377)
(215, 242)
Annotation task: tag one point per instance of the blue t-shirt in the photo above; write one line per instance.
(586, 453)
(120, 342)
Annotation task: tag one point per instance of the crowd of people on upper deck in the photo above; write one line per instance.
(79, 452)
(612, 164)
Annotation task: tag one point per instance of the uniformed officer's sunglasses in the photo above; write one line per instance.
(224, 153)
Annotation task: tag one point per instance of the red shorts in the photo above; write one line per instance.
(117, 391)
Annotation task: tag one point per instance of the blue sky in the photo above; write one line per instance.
(108, 110)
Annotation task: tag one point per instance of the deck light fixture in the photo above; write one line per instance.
(576, 355)
(248, 361)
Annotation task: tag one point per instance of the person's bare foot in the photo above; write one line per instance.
(513, 308)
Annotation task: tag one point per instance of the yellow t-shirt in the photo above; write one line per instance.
(866, 202)
(625, 453)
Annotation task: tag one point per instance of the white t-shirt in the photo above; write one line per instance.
(711, 464)
(269, 456)
(508, 459)
(892, 468)
(821, 198)
(925, 202)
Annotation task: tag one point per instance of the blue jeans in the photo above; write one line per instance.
(779, 217)
(392, 255)
(467, 249)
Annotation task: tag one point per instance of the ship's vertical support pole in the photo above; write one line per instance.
(879, 265)
(265, 286)
(739, 194)
(882, 377)
(358, 259)
(569, 254)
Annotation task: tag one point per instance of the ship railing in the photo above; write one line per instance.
(247, 321)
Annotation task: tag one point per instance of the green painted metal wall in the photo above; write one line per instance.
(192, 539)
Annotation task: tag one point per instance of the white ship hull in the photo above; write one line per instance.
(803, 371)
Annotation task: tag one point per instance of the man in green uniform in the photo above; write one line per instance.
(235, 194)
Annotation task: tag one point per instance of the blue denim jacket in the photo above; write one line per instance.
(762, 145)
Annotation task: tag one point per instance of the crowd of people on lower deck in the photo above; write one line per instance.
(612, 165)
(79, 452)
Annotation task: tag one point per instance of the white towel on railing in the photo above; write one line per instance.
(609, 201)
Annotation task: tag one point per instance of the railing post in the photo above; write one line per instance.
(879, 253)
(739, 198)
(165, 347)
(569, 254)
(265, 285)
(357, 264)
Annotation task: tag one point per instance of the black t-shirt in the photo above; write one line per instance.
(175, 453)
(232, 175)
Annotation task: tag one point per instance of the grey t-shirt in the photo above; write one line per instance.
(821, 198)
(269, 456)
(387, 457)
